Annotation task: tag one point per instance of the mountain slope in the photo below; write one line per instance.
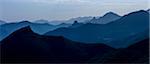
(26, 46)
(116, 34)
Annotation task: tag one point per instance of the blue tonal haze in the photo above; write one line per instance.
(17, 10)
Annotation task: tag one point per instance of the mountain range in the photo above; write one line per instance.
(120, 33)
(107, 39)
(45, 25)
(25, 46)
(85, 19)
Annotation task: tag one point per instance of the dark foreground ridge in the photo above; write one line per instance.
(136, 53)
(25, 46)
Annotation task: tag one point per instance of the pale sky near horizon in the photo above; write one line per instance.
(18, 10)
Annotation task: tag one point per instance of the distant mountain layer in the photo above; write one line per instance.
(107, 18)
(25, 46)
(89, 19)
(79, 19)
(40, 28)
(123, 32)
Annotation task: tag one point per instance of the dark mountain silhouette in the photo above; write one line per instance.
(107, 18)
(40, 28)
(121, 33)
(25, 46)
(136, 53)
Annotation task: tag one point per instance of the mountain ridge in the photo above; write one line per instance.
(26, 46)
(128, 25)
(107, 18)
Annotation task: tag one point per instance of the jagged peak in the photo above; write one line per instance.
(24, 30)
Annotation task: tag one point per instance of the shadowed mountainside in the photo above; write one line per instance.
(25, 46)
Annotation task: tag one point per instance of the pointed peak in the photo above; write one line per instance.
(24, 30)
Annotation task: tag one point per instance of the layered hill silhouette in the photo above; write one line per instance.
(120, 33)
(40, 28)
(26, 46)
(46, 26)
(107, 39)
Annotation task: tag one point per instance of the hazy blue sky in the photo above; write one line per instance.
(17, 10)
